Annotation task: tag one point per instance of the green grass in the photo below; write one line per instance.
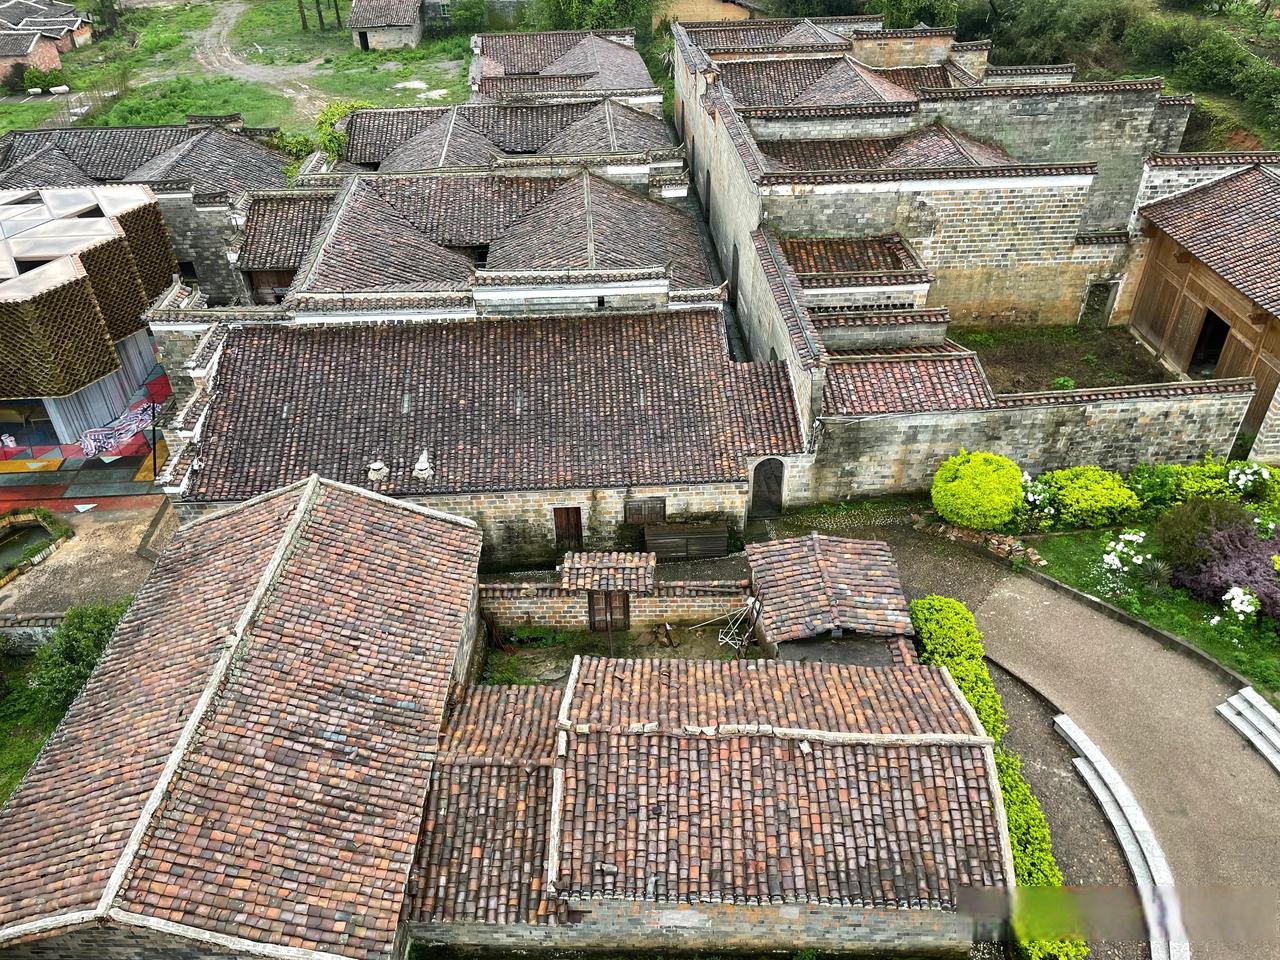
(1075, 559)
(439, 64)
(20, 116)
(23, 730)
(169, 101)
(148, 38)
(270, 32)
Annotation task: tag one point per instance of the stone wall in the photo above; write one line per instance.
(1001, 249)
(201, 235)
(1116, 127)
(389, 38)
(1116, 429)
(113, 943)
(546, 604)
(617, 926)
(23, 632)
(835, 126)
(889, 48)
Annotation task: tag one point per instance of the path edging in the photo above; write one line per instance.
(1163, 637)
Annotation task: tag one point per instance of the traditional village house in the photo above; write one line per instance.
(60, 23)
(78, 269)
(390, 804)
(385, 24)
(196, 171)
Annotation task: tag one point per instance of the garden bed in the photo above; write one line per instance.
(27, 538)
(1076, 560)
(1026, 359)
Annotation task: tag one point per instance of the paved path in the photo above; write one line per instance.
(1213, 802)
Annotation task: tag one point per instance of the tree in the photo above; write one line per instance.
(302, 14)
(904, 14)
(468, 16)
(65, 662)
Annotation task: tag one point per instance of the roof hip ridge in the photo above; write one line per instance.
(270, 575)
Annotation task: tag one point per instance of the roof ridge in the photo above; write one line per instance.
(591, 225)
(815, 538)
(289, 539)
(448, 135)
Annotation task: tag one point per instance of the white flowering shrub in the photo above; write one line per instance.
(1125, 554)
(1041, 501)
(1241, 603)
(1248, 477)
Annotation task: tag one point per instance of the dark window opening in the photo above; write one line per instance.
(478, 254)
(94, 211)
(1213, 337)
(187, 270)
(568, 523)
(26, 266)
(766, 488)
(644, 510)
(599, 303)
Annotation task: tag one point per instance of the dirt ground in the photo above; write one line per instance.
(98, 563)
(1025, 359)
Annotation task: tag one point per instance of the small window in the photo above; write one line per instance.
(187, 270)
(26, 266)
(599, 303)
(478, 254)
(645, 510)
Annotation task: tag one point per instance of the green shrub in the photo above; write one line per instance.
(1063, 383)
(1033, 861)
(982, 491)
(35, 77)
(1088, 497)
(65, 662)
(1206, 480)
(1214, 62)
(1183, 532)
(1154, 484)
(948, 636)
(469, 16)
(332, 141)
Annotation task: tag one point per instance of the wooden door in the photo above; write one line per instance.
(610, 610)
(568, 528)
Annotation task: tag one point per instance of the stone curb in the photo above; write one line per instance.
(1169, 640)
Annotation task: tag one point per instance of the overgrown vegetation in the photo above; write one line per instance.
(947, 635)
(156, 39)
(170, 101)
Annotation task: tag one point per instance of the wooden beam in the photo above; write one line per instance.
(1182, 257)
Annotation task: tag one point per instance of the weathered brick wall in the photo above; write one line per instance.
(389, 38)
(1002, 250)
(23, 632)
(878, 455)
(884, 335)
(885, 49)
(43, 57)
(1266, 446)
(1162, 180)
(833, 127)
(201, 235)
(113, 943)
(620, 925)
(174, 344)
(1116, 129)
(546, 604)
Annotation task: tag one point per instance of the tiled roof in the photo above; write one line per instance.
(279, 229)
(451, 141)
(810, 586)
(880, 254)
(932, 146)
(718, 696)
(482, 856)
(214, 159)
(810, 80)
(17, 43)
(1232, 225)
(565, 60)
(743, 34)
(709, 786)
(789, 296)
(285, 793)
(509, 404)
(610, 127)
(914, 79)
(592, 223)
(915, 383)
(844, 317)
(217, 160)
(628, 572)
(384, 13)
(46, 167)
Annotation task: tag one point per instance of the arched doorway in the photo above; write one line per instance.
(766, 488)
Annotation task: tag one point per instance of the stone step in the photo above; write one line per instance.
(1151, 872)
(1257, 721)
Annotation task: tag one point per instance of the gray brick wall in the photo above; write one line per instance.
(112, 943)
(201, 235)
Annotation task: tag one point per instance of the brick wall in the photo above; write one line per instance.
(1159, 181)
(43, 57)
(545, 604)
(1117, 129)
(201, 235)
(616, 926)
(1002, 250)
(389, 38)
(23, 632)
(882, 454)
(833, 127)
(878, 49)
(112, 943)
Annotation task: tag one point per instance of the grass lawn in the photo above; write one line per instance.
(20, 116)
(1026, 358)
(270, 32)
(1076, 559)
(433, 74)
(169, 101)
(22, 730)
(155, 38)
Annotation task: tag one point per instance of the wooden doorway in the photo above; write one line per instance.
(1210, 343)
(568, 528)
(364, 39)
(609, 610)
(766, 488)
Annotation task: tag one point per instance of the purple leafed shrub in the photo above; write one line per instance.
(1236, 558)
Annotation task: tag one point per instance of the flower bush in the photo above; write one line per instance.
(1183, 532)
(1250, 478)
(1090, 497)
(981, 491)
(1041, 502)
(1126, 553)
(1235, 560)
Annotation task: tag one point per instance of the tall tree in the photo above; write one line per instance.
(302, 15)
(320, 14)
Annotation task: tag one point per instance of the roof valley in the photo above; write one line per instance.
(284, 550)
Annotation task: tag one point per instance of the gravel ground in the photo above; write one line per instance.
(1083, 842)
(98, 563)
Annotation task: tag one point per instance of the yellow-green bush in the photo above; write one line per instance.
(981, 491)
(948, 636)
(1088, 497)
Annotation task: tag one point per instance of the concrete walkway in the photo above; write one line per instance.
(1213, 802)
